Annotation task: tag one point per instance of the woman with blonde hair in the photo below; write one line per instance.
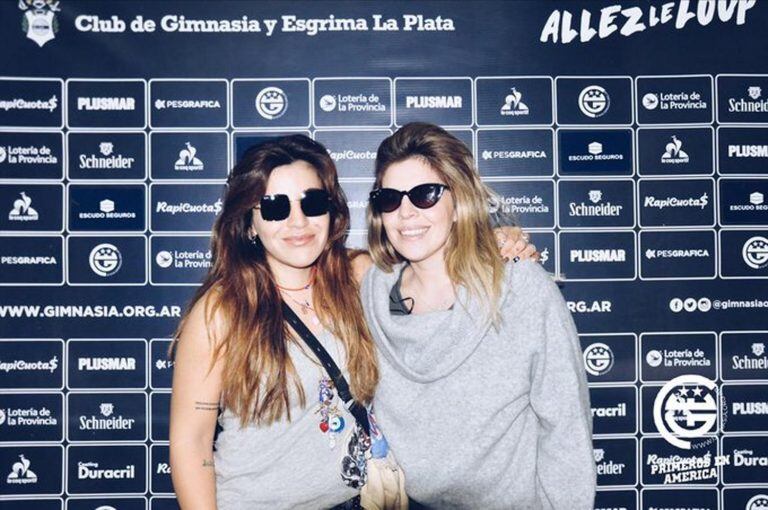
(482, 393)
(290, 435)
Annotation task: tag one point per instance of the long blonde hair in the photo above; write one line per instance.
(472, 257)
(240, 289)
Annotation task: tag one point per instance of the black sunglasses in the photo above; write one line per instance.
(314, 202)
(422, 196)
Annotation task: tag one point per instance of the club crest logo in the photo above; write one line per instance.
(686, 409)
(594, 101)
(105, 259)
(755, 92)
(595, 196)
(271, 103)
(39, 20)
(755, 252)
(598, 359)
(106, 409)
(757, 502)
(758, 348)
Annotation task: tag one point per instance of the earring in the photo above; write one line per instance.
(254, 240)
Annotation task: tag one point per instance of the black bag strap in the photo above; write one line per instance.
(357, 410)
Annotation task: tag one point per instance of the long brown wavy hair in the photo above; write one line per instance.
(472, 257)
(240, 290)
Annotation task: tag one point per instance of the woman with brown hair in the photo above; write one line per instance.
(279, 238)
(482, 393)
(286, 434)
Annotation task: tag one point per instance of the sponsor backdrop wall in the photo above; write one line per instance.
(630, 138)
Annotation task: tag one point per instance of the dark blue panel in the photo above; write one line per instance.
(107, 363)
(106, 503)
(102, 208)
(586, 153)
(161, 407)
(107, 416)
(107, 156)
(505, 101)
(664, 464)
(32, 417)
(616, 499)
(31, 155)
(742, 99)
(184, 207)
(677, 254)
(743, 356)
(160, 364)
(37, 260)
(614, 410)
(609, 359)
(188, 103)
(33, 470)
(675, 151)
(106, 260)
(353, 102)
(674, 100)
(616, 461)
(270, 103)
(676, 203)
(744, 253)
(106, 469)
(189, 156)
(596, 204)
(742, 150)
(176, 260)
(748, 460)
(106, 104)
(594, 101)
(32, 364)
(515, 153)
(447, 102)
(742, 202)
(745, 408)
(160, 469)
(531, 202)
(32, 207)
(701, 499)
(597, 255)
(664, 356)
(31, 103)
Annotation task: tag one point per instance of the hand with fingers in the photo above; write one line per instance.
(514, 244)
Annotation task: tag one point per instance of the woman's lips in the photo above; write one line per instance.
(299, 240)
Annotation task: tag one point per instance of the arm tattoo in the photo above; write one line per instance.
(206, 406)
(207, 463)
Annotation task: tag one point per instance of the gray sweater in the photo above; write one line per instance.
(480, 417)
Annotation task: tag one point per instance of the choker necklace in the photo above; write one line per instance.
(305, 287)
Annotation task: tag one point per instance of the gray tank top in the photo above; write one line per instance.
(286, 464)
